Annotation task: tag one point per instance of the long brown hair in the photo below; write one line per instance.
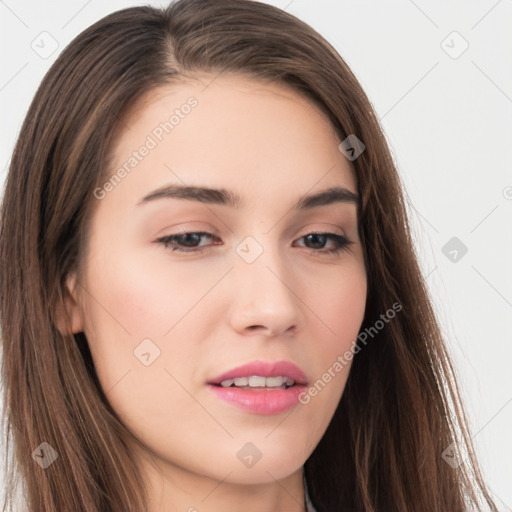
(400, 410)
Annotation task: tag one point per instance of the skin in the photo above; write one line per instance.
(294, 302)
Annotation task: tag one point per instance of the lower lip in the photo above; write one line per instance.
(268, 401)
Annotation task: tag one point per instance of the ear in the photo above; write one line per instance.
(69, 315)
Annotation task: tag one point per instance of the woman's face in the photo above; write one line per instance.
(162, 323)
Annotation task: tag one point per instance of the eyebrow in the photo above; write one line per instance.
(228, 198)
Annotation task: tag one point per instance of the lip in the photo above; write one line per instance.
(264, 369)
(267, 401)
(261, 401)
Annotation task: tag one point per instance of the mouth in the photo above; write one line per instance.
(258, 374)
(261, 387)
(257, 383)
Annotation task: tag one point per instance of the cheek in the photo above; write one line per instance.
(339, 306)
(135, 307)
(141, 298)
(141, 327)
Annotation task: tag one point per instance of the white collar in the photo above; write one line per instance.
(309, 505)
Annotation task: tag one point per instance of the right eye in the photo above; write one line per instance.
(184, 238)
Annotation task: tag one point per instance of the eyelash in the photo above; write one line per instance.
(342, 242)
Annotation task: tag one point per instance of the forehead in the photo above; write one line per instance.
(230, 131)
(234, 88)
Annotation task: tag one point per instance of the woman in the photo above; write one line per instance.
(293, 361)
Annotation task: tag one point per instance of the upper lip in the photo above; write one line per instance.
(264, 369)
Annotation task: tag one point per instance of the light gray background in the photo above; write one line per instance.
(448, 119)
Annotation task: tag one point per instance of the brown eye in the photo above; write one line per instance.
(341, 242)
(184, 242)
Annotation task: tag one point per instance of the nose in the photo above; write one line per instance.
(265, 299)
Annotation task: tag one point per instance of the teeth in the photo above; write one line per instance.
(271, 381)
(256, 381)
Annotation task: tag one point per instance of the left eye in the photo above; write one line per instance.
(176, 241)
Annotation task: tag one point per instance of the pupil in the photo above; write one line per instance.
(187, 237)
(318, 236)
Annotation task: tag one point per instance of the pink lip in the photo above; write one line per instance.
(262, 401)
(264, 369)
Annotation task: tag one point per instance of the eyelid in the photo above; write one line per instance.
(187, 227)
